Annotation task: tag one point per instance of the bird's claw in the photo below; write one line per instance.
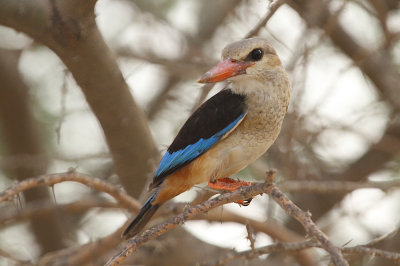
(229, 184)
(244, 202)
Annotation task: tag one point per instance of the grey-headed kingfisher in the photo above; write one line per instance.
(227, 132)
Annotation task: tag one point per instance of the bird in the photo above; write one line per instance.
(227, 132)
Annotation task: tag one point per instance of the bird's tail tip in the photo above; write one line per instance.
(143, 217)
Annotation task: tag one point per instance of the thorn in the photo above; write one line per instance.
(64, 88)
(222, 213)
(54, 194)
(19, 201)
(348, 242)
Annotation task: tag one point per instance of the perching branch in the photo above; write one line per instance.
(241, 194)
(188, 213)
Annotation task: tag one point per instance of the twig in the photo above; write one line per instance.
(63, 102)
(158, 102)
(381, 238)
(205, 89)
(273, 8)
(85, 254)
(324, 187)
(374, 252)
(16, 261)
(177, 68)
(297, 246)
(48, 180)
(250, 237)
(249, 254)
(376, 66)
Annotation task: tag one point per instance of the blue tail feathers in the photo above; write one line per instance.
(143, 217)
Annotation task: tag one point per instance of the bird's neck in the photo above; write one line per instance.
(271, 90)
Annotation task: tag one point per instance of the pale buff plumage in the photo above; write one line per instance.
(267, 89)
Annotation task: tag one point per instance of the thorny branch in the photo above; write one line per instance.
(250, 254)
(41, 208)
(323, 187)
(296, 246)
(51, 179)
(241, 194)
(305, 219)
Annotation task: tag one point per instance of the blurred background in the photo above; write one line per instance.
(63, 104)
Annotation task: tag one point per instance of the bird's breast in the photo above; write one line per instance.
(255, 134)
(265, 115)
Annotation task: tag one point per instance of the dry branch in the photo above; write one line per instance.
(324, 187)
(373, 252)
(269, 227)
(83, 255)
(51, 179)
(250, 254)
(189, 212)
(43, 209)
(377, 65)
(241, 194)
(305, 219)
(297, 246)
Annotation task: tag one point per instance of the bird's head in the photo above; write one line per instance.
(252, 58)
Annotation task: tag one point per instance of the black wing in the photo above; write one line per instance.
(208, 124)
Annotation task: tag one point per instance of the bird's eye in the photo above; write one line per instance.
(256, 54)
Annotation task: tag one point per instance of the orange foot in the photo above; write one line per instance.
(230, 184)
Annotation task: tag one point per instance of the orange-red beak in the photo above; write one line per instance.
(226, 69)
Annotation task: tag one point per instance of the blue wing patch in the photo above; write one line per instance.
(172, 161)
